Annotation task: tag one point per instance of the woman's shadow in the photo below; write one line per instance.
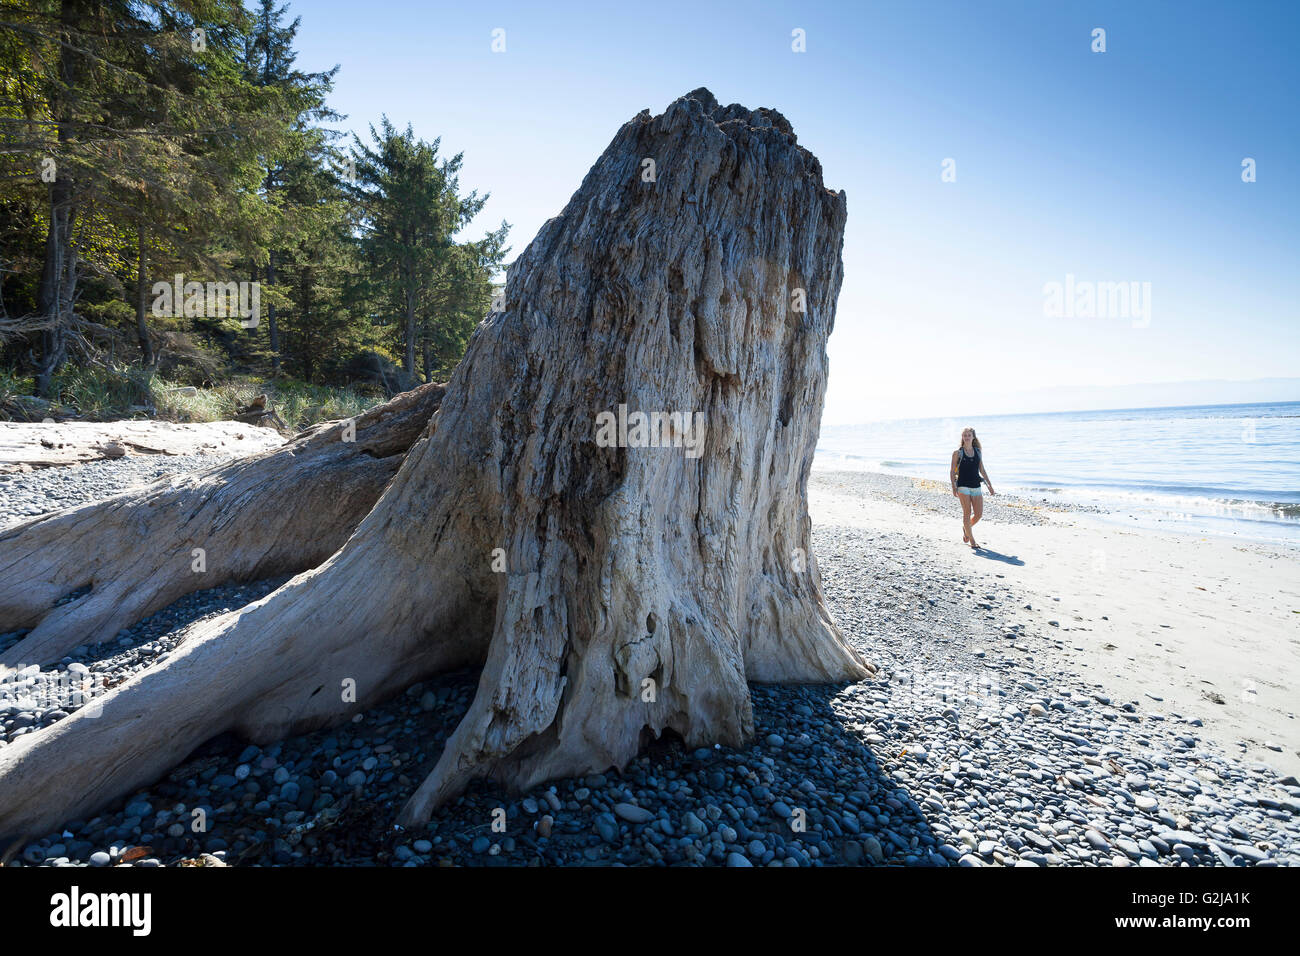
(996, 556)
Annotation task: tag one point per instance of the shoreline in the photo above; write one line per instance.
(1144, 510)
(1179, 622)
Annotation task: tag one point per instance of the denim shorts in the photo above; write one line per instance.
(974, 492)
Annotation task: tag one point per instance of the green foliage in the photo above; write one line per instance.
(104, 393)
(99, 393)
(420, 280)
(299, 404)
(13, 385)
(185, 139)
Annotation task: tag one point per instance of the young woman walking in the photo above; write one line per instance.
(967, 467)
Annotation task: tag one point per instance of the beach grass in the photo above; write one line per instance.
(298, 404)
(107, 394)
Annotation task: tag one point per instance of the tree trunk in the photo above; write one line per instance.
(58, 289)
(611, 591)
(59, 273)
(408, 357)
(306, 348)
(58, 284)
(141, 300)
(272, 325)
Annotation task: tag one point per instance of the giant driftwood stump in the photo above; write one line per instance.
(607, 512)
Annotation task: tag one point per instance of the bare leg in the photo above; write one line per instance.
(977, 512)
(968, 504)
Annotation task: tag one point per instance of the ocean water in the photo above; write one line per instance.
(1207, 469)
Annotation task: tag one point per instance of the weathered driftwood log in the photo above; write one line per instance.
(614, 584)
(279, 512)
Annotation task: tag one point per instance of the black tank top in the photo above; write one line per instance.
(968, 469)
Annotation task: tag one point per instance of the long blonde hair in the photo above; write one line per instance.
(974, 439)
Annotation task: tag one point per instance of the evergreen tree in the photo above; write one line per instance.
(459, 297)
(320, 329)
(269, 63)
(144, 138)
(410, 207)
(139, 112)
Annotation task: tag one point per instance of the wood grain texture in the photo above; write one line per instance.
(637, 589)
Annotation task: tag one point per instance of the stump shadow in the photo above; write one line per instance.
(824, 800)
(294, 803)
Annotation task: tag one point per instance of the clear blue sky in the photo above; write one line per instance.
(1115, 166)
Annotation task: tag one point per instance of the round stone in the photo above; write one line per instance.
(633, 814)
(606, 828)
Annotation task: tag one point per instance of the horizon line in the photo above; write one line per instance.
(1069, 411)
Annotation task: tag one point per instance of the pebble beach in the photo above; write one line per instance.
(996, 732)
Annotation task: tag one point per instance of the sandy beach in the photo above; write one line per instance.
(1185, 626)
(1069, 696)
